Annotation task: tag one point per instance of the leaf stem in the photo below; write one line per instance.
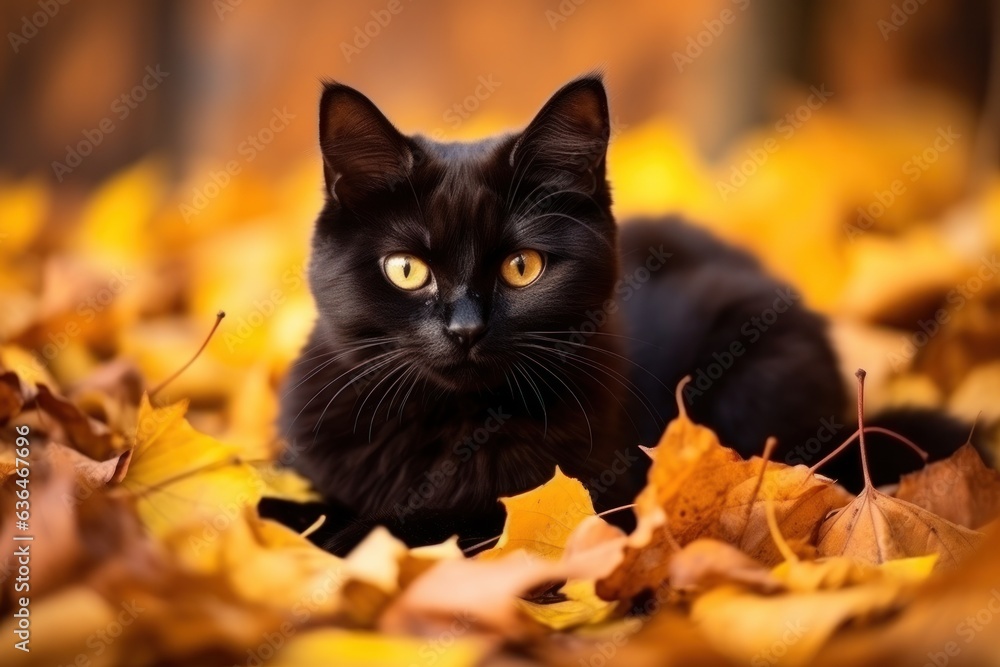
(769, 447)
(158, 388)
(861, 425)
(679, 396)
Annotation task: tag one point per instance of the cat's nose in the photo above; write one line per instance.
(466, 326)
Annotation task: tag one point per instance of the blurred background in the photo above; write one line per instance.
(158, 162)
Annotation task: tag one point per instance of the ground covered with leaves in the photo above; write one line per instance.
(140, 496)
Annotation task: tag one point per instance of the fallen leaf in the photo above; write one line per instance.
(705, 564)
(111, 394)
(11, 397)
(801, 501)
(26, 365)
(959, 488)
(876, 528)
(60, 545)
(687, 483)
(90, 473)
(699, 489)
(181, 476)
(540, 521)
(594, 549)
(87, 435)
(478, 593)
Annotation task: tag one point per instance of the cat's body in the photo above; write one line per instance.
(417, 404)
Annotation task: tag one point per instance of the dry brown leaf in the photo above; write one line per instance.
(876, 528)
(687, 483)
(486, 593)
(697, 488)
(645, 563)
(556, 522)
(11, 396)
(690, 475)
(801, 501)
(90, 474)
(87, 435)
(959, 488)
(112, 394)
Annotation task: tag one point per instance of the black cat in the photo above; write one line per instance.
(482, 319)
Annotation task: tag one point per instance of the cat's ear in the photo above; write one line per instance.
(568, 139)
(362, 151)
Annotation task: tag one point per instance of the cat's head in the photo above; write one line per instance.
(455, 258)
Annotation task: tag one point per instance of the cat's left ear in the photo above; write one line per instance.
(567, 141)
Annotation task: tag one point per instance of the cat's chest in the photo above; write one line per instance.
(422, 461)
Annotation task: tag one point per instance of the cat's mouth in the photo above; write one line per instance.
(463, 375)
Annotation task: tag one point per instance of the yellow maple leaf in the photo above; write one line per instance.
(181, 476)
(540, 521)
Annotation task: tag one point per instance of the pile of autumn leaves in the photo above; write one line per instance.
(149, 550)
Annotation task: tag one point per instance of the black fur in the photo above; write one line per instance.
(574, 370)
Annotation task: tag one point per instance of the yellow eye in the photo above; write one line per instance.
(522, 268)
(406, 271)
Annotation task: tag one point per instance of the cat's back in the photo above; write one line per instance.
(760, 361)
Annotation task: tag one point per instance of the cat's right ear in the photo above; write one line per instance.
(362, 151)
